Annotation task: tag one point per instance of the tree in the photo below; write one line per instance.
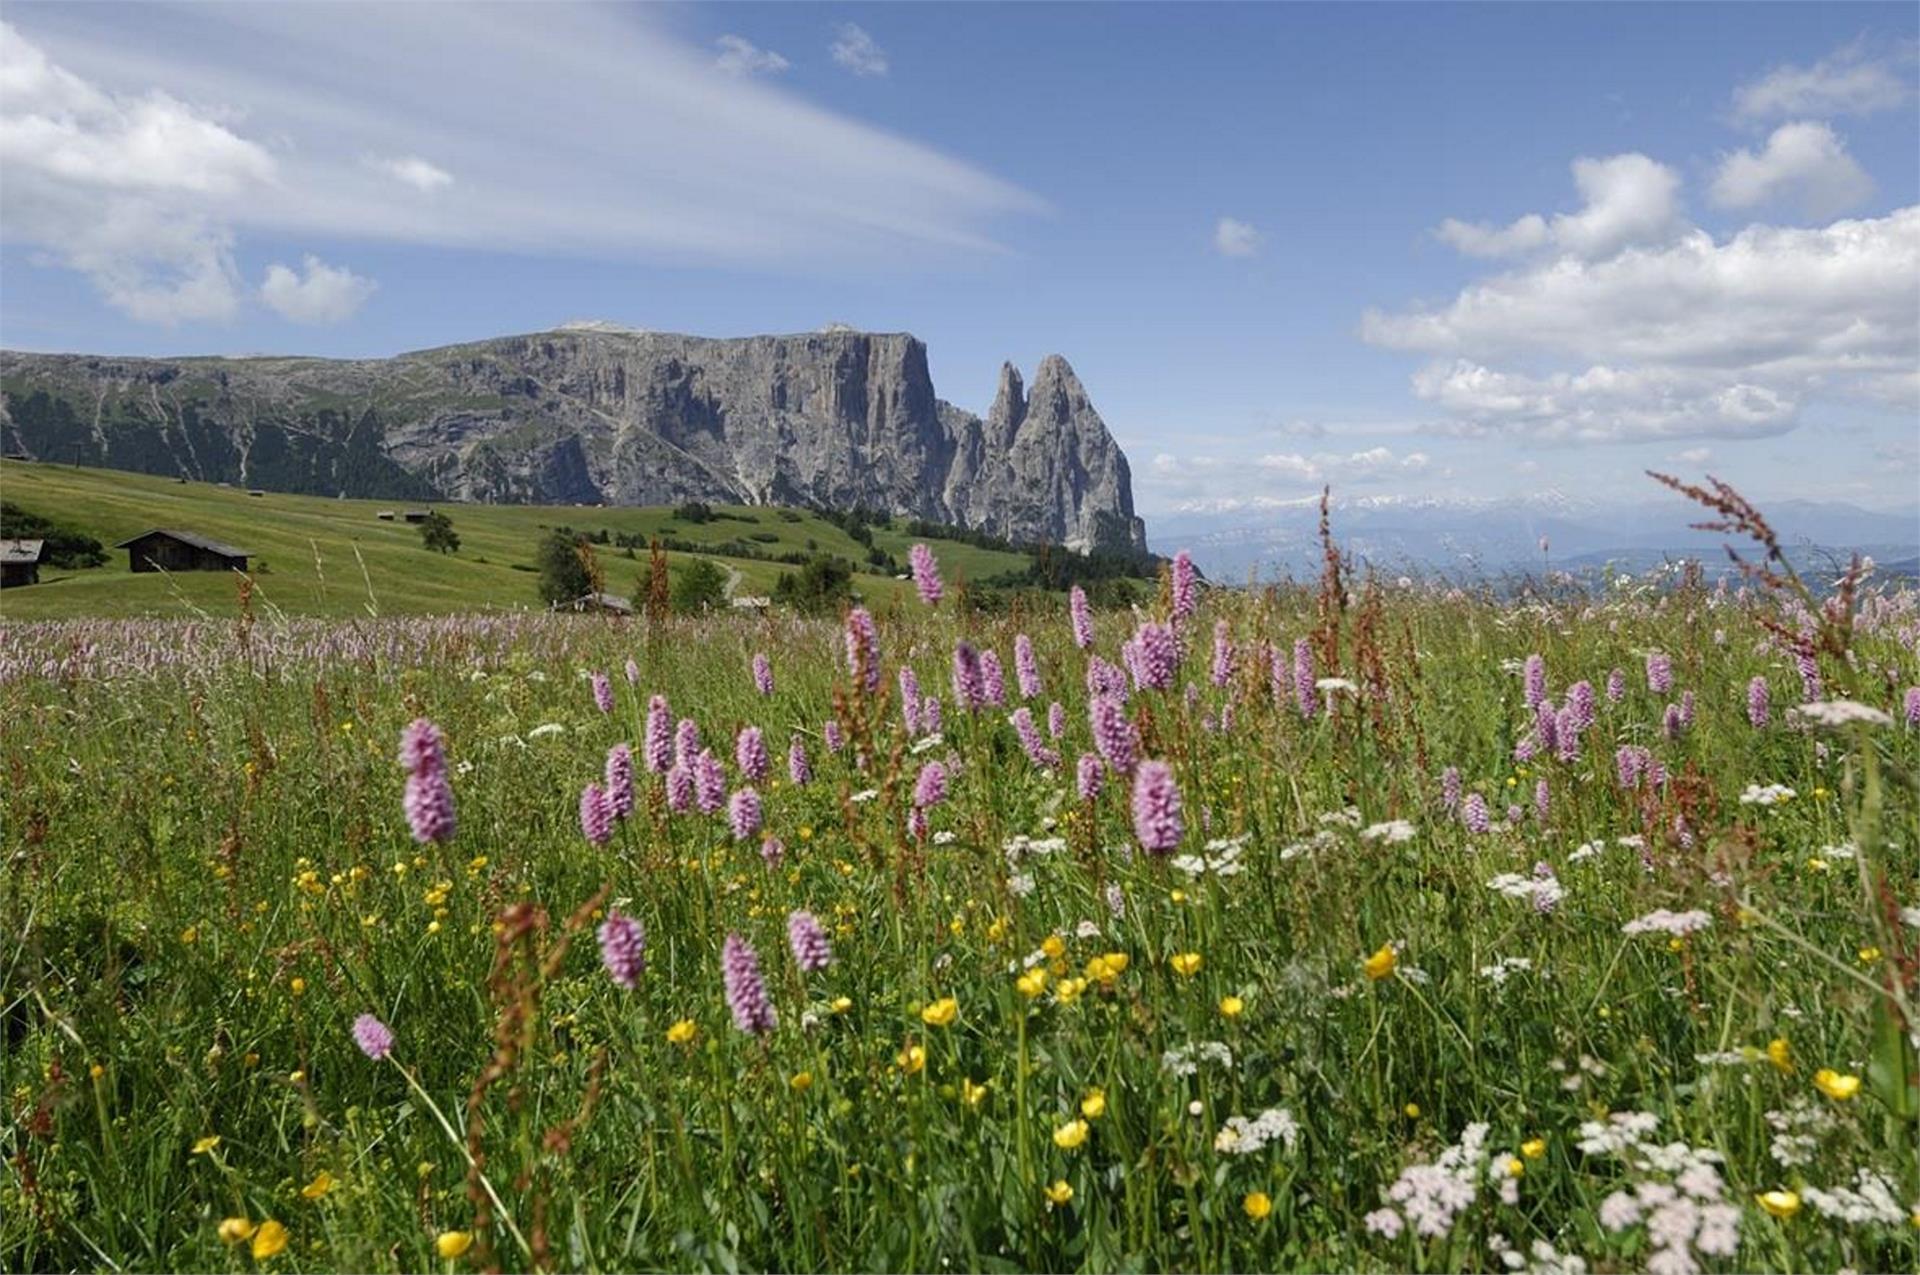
(823, 585)
(564, 574)
(701, 584)
(437, 533)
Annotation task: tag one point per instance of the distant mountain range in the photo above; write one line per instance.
(594, 413)
(1470, 538)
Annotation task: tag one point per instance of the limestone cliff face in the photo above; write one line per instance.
(588, 415)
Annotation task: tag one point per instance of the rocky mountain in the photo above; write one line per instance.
(592, 414)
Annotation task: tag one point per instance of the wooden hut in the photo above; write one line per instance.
(162, 549)
(19, 562)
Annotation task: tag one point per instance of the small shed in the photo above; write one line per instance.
(385, 515)
(19, 562)
(163, 549)
(602, 603)
(416, 515)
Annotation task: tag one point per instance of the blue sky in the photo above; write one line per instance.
(1683, 236)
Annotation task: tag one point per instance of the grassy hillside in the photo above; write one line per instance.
(313, 555)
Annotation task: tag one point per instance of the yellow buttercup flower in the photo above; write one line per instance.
(801, 1081)
(841, 1004)
(1059, 1192)
(322, 1183)
(233, 1230)
(206, 1144)
(1381, 963)
(1412, 1110)
(1869, 955)
(1533, 1148)
(298, 987)
(682, 1032)
(1257, 1205)
(1068, 990)
(1836, 1086)
(453, 1244)
(941, 1013)
(1515, 1166)
(1094, 1105)
(912, 1059)
(1185, 964)
(1033, 982)
(1231, 1006)
(1116, 962)
(1779, 1203)
(1780, 1054)
(268, 1240)
(1070, 1135)
(971, 1094)
(1054, 946)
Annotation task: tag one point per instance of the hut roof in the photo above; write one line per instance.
(20, 550)
(187, 537)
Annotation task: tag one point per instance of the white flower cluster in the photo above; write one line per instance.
(927, 744)
(1241, 1136)
(1766, 794)
(1868, 1202)
(1839, 712)
(1505, 968)
(1546, 1259)
(1221, 856)
(1319, 841)
(1186, 1060)
(1350, 817)
(1681, 1199)
(1797, 1131)
(1678, 924)
(1023, 847)
(1587, 850)
(1429, 1197)
(1544, 893)
(1393, 831)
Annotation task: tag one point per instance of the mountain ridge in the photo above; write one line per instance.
(592, 414)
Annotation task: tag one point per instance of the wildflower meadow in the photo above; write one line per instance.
(1367, 923)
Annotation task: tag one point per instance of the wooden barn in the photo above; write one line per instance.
(162, 549)
(19, 562)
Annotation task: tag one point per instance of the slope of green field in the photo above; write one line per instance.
(312, 555)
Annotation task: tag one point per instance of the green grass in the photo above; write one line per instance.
(314, 556)
(209, 875)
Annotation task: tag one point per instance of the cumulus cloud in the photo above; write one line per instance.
(1696, 336)
(1805, 162)
(740, 56)
(418, 173)
(855, 50)
(1694, 456)
(141, 149)
(1235, 238)
(1849, 81)
(323, 294)
(1628, 199)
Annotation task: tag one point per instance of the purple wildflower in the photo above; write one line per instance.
(1156, 656)
(750, 753)
(1515, 812)
(910, 699)
(743, 813)
(1105, 679)
(1182, 580)
(1760, 703)
(1081, 616)
(421, 747)
(1279, 675)
(1114, 734)
(834, 735)
(1088, 776)
(1547, 899)
(1659, 672)
(623, 948)
(799, 769)
(808, 940)
(1566, 735)
(1035, 747)
(1808, 665)
(1911, 706)
(1222, 654)
(930, 715)
(926, 574)
(1580, 705)
(1671, 723)
(1450, 788)
(746, 990)
(993, 682)
(1542, 799)
(930, 789)
(680, 788)
(1056, 719)
(428, 802)
(1536, 680)
(596, 815)
(917, 826)
(1525, 747)
(1303, 676)
(968, 690)
(375, 1041)
(863, 649)
(709, 782)
(620, 780)
(1474, 813)
(602, 692)
(1026, 668)
(1686, 709)
(1157, 822)
(1546, 725)
(686, 740)
(772, 851)
(1629, 762)
(1616, 686)
(659, 742)
(633, 672)
(762, 673)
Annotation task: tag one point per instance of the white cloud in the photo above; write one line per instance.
(1235, 238)
(1694, 456)
(1850, 81)
(740, 56)
(1689, 337)
(1805, 162)
(325, 294)
(141, 147)
(1629, 199)
(1371, 465)
(855, 50)
(421, 174)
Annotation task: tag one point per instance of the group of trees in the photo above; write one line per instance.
(64, 546)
